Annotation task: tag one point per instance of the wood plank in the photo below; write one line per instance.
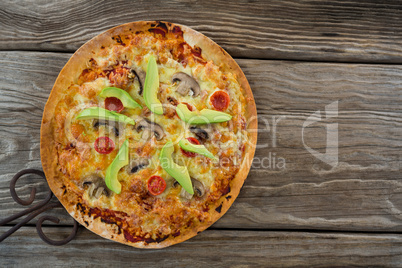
(364, 192)
(366, 184)
(222, 248)
(347, 30)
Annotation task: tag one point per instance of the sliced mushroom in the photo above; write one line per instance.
(142, 124)
(175, 184)
(186, 83)
(140, 74)
(149, 128)
(198, 186)
(96, 186)
(107, 124)
(184, 194)
(201, 134)
(137, 164)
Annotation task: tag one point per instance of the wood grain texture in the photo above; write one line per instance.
(364, 192)
(346, 30)
(230, 249)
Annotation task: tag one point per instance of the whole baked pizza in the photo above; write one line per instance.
(148, 134)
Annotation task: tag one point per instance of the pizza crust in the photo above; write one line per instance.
(77, 63)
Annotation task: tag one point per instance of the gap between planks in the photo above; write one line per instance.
(312, 231)
(296, 60)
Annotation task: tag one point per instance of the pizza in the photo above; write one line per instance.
(148, 134)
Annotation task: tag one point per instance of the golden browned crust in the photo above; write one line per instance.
(76, 64)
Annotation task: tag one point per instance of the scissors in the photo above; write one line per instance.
(35, 211)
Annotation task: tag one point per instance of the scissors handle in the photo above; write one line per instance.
(34, 211)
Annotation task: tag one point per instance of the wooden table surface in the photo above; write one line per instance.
(299, 57)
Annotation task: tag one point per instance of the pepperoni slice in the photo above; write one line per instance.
(114, 104)
(188, 106)
(220, 100)
(157, 31)
(156, 185)
(193, 141)
(104, 145)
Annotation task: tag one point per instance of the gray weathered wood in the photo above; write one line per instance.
(222, 248)
(346, 30)
(364, 192)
